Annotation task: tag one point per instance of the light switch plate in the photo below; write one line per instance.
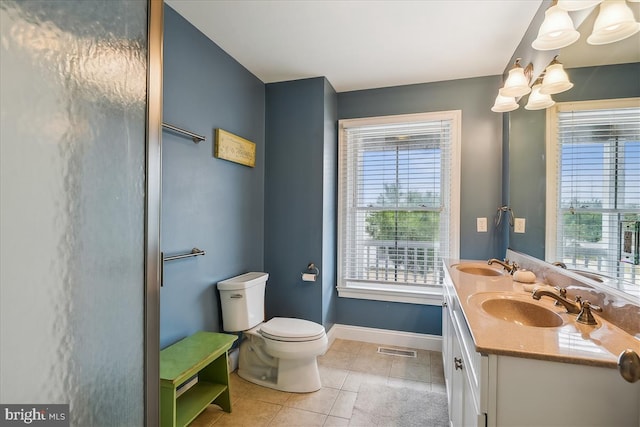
(518, 226)
(481, 225)
(630, 242)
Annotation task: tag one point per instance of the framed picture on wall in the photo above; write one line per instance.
(234, 148)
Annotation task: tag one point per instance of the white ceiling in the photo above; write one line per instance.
(362, 44)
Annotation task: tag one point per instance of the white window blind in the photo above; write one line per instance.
(598, 185)
(395, 190)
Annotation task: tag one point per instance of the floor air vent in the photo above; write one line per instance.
(396, 352)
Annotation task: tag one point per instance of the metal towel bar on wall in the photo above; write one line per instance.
(194, 252)
(194, 136)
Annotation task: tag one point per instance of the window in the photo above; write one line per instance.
(593, 186)
(398, 205)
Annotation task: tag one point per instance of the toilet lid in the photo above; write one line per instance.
(289, 329)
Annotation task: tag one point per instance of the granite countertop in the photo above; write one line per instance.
(572, 342)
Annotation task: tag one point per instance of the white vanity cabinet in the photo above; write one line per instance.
(463, 366)
(502, 390)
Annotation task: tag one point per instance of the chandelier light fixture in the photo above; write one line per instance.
(615, 21)
(553, 80)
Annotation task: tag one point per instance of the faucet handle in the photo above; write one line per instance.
(590, 306)
(585, 315)
(563, 293)
(511, 267)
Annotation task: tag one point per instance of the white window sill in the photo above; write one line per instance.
(429, 296)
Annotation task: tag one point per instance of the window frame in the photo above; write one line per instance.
(553, 159)
(414, 294)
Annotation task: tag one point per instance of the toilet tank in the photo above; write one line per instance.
(242, 301)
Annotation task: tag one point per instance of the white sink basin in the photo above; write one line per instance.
(516, 309)
(479, 269)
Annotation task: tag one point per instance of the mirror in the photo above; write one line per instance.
(598, 72)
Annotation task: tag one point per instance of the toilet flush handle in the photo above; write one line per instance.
(236, 296)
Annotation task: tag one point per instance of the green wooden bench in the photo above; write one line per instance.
(203, 354)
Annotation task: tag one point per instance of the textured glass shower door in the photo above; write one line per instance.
(73, 106)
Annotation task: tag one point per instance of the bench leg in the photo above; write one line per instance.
(218, 372)
(167, 406)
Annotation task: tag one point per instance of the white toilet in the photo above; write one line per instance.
(281, 353)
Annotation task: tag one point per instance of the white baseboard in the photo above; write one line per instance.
(385, 336)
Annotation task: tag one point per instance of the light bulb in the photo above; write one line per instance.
(555, 79)
(517, 83)
(537, 100)
(615, 22)
(571, 5)
(557, 30)
(504, 104)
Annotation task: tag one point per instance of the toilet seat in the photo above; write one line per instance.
(291, 330)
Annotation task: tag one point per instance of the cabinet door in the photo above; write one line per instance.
(448, 336)
(462, 409)
(470, 416)
(457, 389)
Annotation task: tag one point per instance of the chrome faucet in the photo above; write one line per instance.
(559, 264)
(572, 307)
(510, 268)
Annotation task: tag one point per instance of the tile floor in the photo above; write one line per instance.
(343, 369)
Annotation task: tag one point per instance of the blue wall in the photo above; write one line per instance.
(281, 215)
(207, 203)
(481, 181)
(329, 206)
(526, 142)
(299, 225)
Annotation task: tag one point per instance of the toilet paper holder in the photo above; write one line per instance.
(311, 273)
